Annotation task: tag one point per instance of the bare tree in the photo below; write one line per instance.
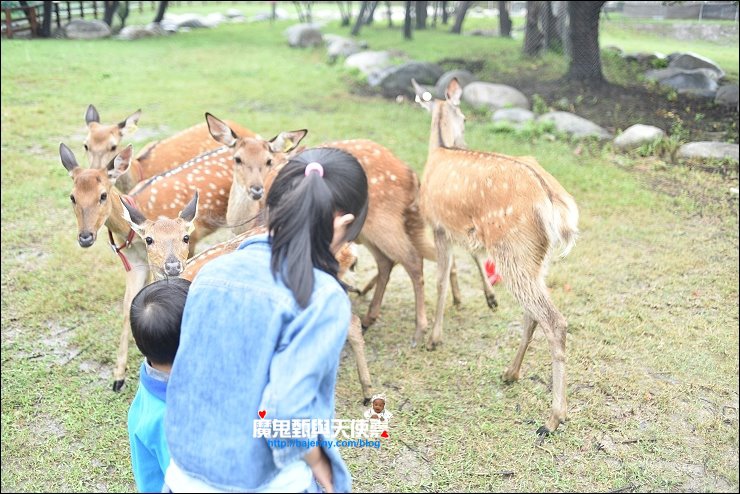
(110, 9)
(460, 11)
(360, 19)
(445, 16)
(407, 21)
(585, 60)
(388, 11)
(45, 30)
(345, 12)
(532, 35)
(421, 15)
(549, 27)
(370, 17)
(304, 11)
(504, 20)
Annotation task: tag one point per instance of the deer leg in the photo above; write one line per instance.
(385, 265)
(369, 286)
(528, 327)
(415, 269)
(487, 289)
(444, 266)
(135, 281)
(456, 299)
(555, 332)
(357, 342)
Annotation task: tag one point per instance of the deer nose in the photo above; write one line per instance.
(85, 239)
(172, 268)
(256, 192)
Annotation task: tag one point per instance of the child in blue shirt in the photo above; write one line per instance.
(262, 332)
(156, 313)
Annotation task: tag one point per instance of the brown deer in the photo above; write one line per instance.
(253, 158)
(96, 202)
(511, 209)
(102, 142)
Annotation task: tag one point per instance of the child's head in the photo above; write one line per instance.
(378, 405)
(156, 314)
(317, 202)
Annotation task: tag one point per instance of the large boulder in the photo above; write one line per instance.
(513, 115)
(702, 150)
(369, 62)
(304, 36)
(396, 80)
(494, 96)
(574, 125)
(727, 95)
(338, 46)
(698, 82)
(692, 61)
(87, 29)
(463, 77)
(637, 135)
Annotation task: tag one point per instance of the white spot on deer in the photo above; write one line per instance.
(212, 185)
(500, 213)
(505, 185)
(222, 192)
(376, 152)
(219, 202)
(189, 177)
(374, 180)
(200, 178)
(222, 159)
(393, 178)
(509, 210)
(207, 171)
(209, 194)
(154, 191)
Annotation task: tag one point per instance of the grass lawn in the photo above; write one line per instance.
(650, 291)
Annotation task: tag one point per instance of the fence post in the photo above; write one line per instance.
(8, 24)
(32, 21)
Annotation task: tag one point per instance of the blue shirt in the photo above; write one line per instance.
(246, 346)
(149, 453)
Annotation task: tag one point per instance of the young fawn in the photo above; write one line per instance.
(511, 209)
(96, 202)
(163, 258)
(102, 142)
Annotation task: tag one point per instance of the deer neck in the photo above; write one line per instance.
(116, 223)
(439, 137)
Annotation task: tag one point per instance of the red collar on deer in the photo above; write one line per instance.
(129, 238)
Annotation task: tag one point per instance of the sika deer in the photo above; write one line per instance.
(96, 202)
(511, 209)
(158, 157)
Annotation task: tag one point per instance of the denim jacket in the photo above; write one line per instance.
(246, 346)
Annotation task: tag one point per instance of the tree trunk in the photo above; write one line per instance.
(585, 62)
(388, 11)
(161, 9)
(123, 13)
(370, 17)
(110, 10)
(549, 27)
(45, 31)
(421, 15)
(407, 22)
(360, 19)
(532, 36)
(344, 14)
(445, 17)
(504, 20)
(462, 9)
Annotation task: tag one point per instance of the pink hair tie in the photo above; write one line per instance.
(314, 166)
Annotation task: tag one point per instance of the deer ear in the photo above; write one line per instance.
(68, 158)
(120, 164)
(453, 92)
(91, 115)
(128, 126)
(220, 131)
(423, 97)
(134, 217)
(190, 211)
(286, 142)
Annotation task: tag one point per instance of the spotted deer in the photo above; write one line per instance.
(102, 141)
(510, 208)
(97, 203)
(253, 158)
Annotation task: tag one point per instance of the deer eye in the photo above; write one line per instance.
(86, 148)
(114, 147)
(103, 196)
(186, 238)
(149, 240)
(237, 160)
(269, 162)
(72, 198)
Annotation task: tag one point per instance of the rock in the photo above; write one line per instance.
(396, 80)
(214, 19)
(304, 35)
(463, 77)
(637, 135)
(134, 32)
(709, 150)
(727, 95)
(342, 47)
(574, 125)
(494, 96)
(369, 62)
(692, 61)
(87, 29)
(191, 21)
(699, 82)
(644, 57)
(232, 13)
(516, 115)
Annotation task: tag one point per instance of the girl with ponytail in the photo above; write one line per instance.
(261, 335)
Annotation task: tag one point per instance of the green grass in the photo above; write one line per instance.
(650, 291)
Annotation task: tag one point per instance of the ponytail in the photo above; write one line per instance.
(300, 215)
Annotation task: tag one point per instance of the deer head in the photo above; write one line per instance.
(254, 157)
(102, 141)
(452, 133)
(91, 190)
(167, 240)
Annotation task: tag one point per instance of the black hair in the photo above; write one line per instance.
(300, 215)
(156, 314)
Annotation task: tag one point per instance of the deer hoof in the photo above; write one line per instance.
(117, 385)
(364, 328)
(492, 302)
(543, 431)
(510, 378)
(432, 345)
(365, 402)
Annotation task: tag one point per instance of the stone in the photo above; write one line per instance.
(637, 135)
(369, 62)
(692, 61)
(515, 115)
(396, 80)
(87, 29)
(304, 36)
(698, 82)
(342, 47)
(463, 77)
(727, 95)
(494, 96)
(709, 150)
(574, 125)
